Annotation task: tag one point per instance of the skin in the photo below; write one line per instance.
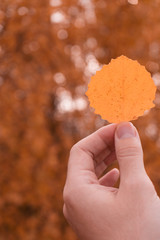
(94, 208)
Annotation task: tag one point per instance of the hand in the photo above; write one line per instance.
(95, 209)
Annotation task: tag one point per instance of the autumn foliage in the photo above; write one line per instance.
(48, 52)
(125, 87)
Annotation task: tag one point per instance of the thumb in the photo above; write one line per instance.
(129, 153)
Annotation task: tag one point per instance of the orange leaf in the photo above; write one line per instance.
(121, 90)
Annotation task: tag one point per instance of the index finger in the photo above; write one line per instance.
(83, 153)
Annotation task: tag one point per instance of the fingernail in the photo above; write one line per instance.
(125, 130)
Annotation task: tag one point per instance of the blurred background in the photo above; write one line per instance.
(48, 52)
